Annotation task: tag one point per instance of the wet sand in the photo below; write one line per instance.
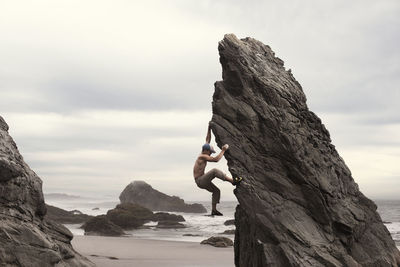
(128, 251)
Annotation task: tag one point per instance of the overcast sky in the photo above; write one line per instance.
(100, 93)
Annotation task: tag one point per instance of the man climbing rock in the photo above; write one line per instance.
(204, 180)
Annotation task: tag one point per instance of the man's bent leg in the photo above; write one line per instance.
(221, 175)
(206, 178)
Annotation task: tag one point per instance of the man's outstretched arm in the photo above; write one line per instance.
(218, 157)
(208, 137)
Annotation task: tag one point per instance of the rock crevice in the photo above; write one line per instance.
(298, 204)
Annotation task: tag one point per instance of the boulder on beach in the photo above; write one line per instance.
(141, 193)
(129, 215)
(298, 203)
(218, 241)
(27, 236)
(101, 225)
(66, 217)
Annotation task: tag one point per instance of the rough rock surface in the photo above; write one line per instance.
(218, 241)
(26, 237)
(298, 204)
(143, 194)
(64, 216)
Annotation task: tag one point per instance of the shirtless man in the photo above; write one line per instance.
(203, 180)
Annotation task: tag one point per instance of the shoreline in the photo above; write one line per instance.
(130, 251)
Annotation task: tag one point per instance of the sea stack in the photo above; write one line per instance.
(298, 203)
(141, 193)
(27, 238)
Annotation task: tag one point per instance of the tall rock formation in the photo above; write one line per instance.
(142, 193)
(298, 204)
(26, 238)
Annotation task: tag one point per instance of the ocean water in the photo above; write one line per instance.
(201, 225)
(197, 224)
(390, 214)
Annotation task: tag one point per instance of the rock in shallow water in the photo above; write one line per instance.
(298, 203)
(229, 232)
(229, 222)
(170, 224)
(101, 225)
(27, 238)
(129, 215)
(124, 216)
(164, 216)
(191, 235)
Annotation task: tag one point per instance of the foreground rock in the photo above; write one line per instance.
(299, 205)
(64, 216)
(27, 238)
(141, 193)
(218, 241)
(101, 225)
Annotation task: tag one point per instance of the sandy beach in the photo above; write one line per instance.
(128, 251)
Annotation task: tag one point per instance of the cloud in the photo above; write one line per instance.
(124, 56)
(70, 56)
